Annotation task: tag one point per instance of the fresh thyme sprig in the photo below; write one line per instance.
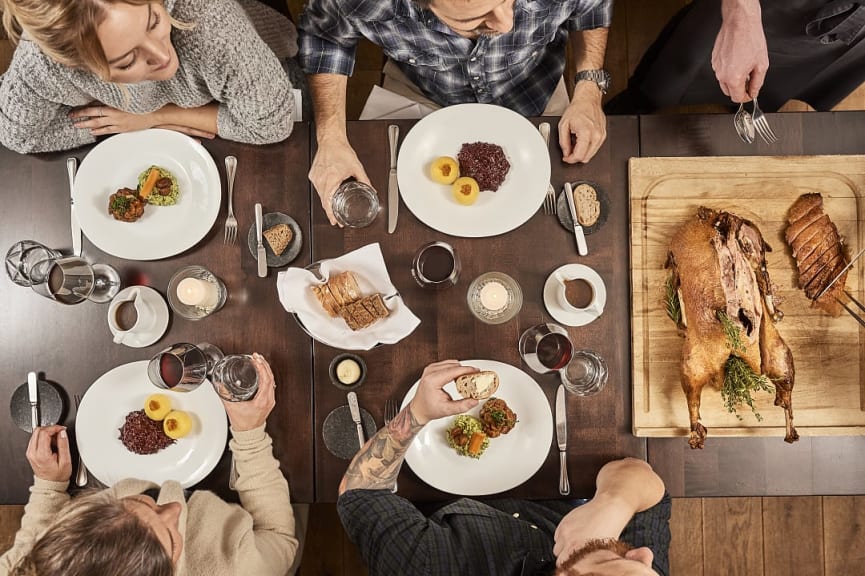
(671, 300)
(740, 380)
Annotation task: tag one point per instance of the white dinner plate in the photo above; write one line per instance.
(124, 389)
(442, 133)
(163, 231)
(510, 459)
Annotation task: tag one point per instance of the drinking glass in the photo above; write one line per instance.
(546, 348)
(355, 204)
(22, 256)
(180, 367)
(106, 283)
(235, 378)
(436, 265)
(67, 280)
(585, 374)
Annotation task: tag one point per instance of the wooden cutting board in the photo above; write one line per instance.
(828, 353)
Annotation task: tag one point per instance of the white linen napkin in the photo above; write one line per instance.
(383, 104)
(367, 263)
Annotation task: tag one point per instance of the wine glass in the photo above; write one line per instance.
(182, 367)
(68, 280)
(235, 378)
(546, 348)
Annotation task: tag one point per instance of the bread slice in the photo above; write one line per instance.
(334, 283)
(360, 317)
(325, 298)
(586, 204)
(480, 385)
(375, 306)
(352, 322)
(278, 237)
(344, 287)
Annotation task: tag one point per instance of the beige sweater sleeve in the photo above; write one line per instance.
(46, 500)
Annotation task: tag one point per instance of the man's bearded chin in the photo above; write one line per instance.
(611, 544)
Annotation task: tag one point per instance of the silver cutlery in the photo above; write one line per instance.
(392, 184)
(858, 304)
(550, 198)
(582, 247)
(81, 473)
(71, 166)
(260, 255)
(744, 124)
(562, 439)
(355, 416)
(33, 395)
(762, 125)
(391, 409)
(230, 236)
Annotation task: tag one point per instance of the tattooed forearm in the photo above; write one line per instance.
(378, 462)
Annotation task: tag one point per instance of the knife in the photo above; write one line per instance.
(392, 185)
(582, 249)
(259, 249)
(562, 439)
(33, 393)
(71, 165)
(355, 415)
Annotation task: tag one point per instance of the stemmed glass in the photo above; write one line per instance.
(71, 280)
(547, 348)
(183, 367)
(22, 256)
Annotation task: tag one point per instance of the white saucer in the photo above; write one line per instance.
(568, 317)
(156, 300)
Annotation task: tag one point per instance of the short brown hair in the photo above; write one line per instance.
(65, 30)
(96, 534)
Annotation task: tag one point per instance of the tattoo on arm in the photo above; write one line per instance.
(378, 462)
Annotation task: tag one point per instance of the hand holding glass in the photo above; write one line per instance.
(235, 378)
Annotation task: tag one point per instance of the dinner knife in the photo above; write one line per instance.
(392, 185)
(562, 439)
(259, 249)
(33, 393)
(71, 165)
(355, 415)
(582, 248)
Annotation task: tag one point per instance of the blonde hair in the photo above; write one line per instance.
(65, 30)
(96, 534)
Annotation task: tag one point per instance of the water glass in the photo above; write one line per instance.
(585, 374)
(355, 204)
(436, 265)
(235, 378)
(546, 348)
(22, 256)
(66, 280)
(106, 283)
(180, 367)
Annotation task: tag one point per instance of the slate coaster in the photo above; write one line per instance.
(50, 406)
(340, 432)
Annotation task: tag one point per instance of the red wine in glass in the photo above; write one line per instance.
(554, 351)
(171, 370)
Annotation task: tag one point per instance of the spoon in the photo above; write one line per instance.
(744, 124)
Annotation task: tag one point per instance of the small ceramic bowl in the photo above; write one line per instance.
(332, 371)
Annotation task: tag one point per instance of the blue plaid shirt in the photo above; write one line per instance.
(518, 70)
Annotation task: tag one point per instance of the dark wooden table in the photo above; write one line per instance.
(72, 346)
(758, 466)
(599, 426)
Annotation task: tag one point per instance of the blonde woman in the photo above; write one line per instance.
(136, 528)
(87, 68)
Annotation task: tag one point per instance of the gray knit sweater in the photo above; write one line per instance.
(222, 58)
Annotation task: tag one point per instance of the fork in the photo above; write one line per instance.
(230, 221)
(550, 198)
(391, 409)
(81, 474)
(762, 125)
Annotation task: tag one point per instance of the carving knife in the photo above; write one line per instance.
(841, 273)
(33, 394)
(71, 165)
(582, 248)
(392, 185)
(259, 247)
(562, 439)
(355, 416)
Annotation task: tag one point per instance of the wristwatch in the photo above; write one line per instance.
(600, 77)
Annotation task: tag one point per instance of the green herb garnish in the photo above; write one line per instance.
(671, 300)
(740, 380)
(121, 203)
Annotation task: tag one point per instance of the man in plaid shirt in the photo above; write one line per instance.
(623, 530)
(505, 52)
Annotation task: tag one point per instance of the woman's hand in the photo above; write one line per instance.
(48, 454)
(253, 413)
(100, 120)
(431, 402)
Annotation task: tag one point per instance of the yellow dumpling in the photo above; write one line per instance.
(466, 190)
(157, 406)
(444, 170)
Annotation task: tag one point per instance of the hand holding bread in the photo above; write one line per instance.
(431, 402)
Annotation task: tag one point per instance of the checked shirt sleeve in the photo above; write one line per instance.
(598, 16)
(328, 39)
(651, 528)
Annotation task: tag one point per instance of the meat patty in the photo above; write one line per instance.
(125, 205)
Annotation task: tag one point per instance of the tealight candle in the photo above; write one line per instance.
(196, 292)
(494, 296)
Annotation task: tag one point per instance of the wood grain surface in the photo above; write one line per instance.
(828, 352)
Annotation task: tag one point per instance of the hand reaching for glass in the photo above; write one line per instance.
(253, 413)
(431, 402)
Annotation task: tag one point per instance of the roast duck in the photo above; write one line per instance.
(819, 253)
(720, 279)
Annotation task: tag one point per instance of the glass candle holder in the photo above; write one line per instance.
(195, 292)
(494, 298)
